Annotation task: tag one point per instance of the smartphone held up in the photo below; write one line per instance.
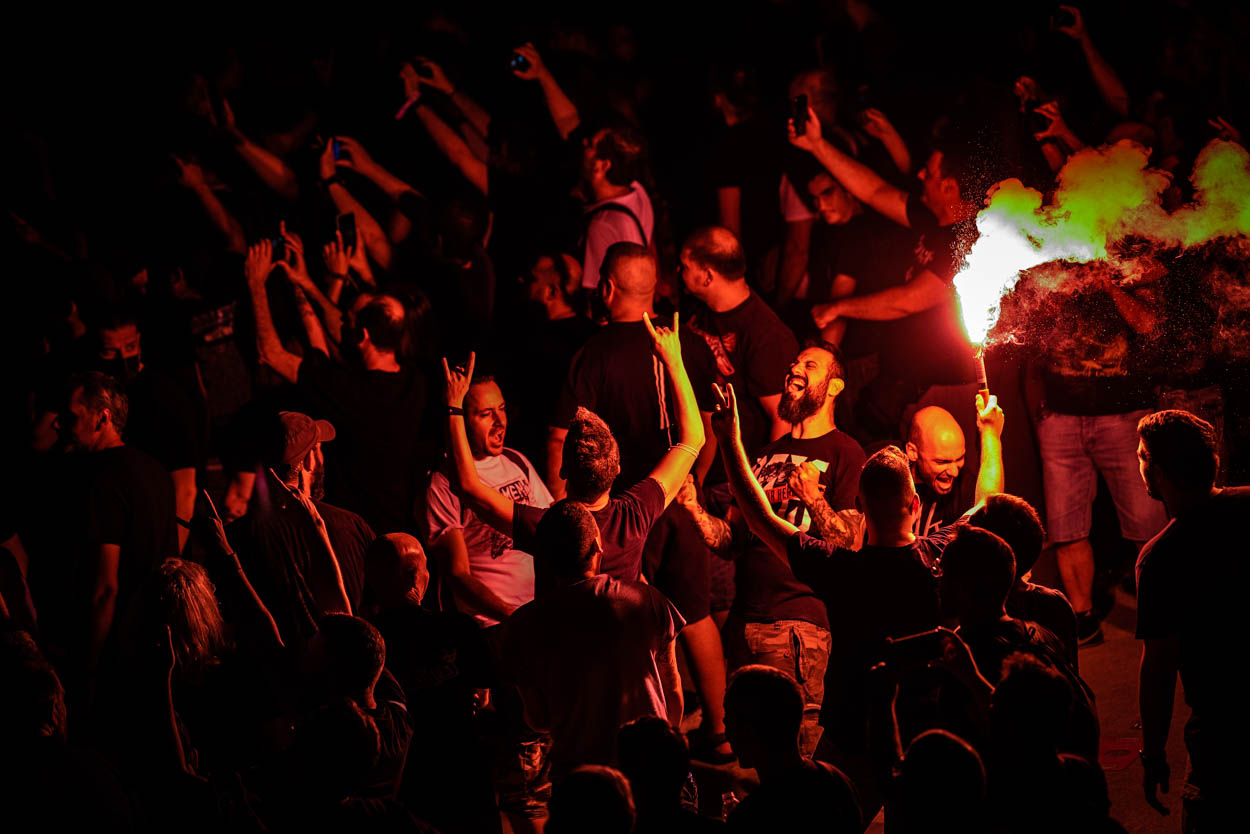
(798, 113)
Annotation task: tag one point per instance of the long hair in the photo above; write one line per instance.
(181, 596)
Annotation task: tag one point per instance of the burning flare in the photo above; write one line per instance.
(1104, 196)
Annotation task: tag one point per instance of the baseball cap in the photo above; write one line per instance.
(300, 433)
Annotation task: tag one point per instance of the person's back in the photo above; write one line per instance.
(131, 504)
(591, 648)
(811, 791)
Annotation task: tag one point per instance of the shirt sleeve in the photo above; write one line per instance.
(669, 621)
(639, 507)
(442, 507)
(791, 204)
(842, 485)
(1160, 612)
(525, 520)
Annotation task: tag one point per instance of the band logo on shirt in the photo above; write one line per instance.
(773, 473)
(721, 347)
(519, 492)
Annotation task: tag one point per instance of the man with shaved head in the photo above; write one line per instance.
(440, 659)
(936, 449)
(753, 348)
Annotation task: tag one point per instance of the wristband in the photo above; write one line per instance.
(686, 447)
(182, 522)
(332, 180)
(455, 411)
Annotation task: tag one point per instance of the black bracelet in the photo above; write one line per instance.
(453, 411)
(182, 522)
(329, 181)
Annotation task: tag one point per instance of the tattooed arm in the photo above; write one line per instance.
(841, 528)
(719, 534)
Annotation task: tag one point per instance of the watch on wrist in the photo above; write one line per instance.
(454, 410)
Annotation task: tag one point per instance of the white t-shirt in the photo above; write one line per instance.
(612, 226)
(506, 571)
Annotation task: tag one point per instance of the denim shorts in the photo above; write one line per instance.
(1075, 450)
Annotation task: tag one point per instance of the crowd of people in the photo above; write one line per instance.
(554, 424)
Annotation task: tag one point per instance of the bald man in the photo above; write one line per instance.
(936, 449)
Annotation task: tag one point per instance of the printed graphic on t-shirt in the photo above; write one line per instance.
(519, 492)
(1090, 351)
(921, 258)
(773, 473)
(721, 347)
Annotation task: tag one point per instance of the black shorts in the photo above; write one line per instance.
(676, 561)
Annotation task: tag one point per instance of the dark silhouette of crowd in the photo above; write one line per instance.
(533, 419)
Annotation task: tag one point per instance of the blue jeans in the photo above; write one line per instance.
(1075, 450)
(796, 647)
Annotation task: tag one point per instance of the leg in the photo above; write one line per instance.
(1070, 483)
(701, 640)
(1076, 568)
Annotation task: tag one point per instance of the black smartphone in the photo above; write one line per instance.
(279, 249)
(1062, 17)
(336, 148)
(798, 112)
(1038, 122)
(346, 225)
(863, 98)
(519, 62)
(423, 69)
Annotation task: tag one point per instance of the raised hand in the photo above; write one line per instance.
(688, 495)
(1075, 29)
(190, 175)
(295, 267)
(211, 525)
(259, 262)
(301, 496)
(876, 125)
(537, 68)
(326, 166)
(725, 416)
(667, 340)
(989, 415)
(337, 256)
(956, 658)
(804, 481)
(810, 139)
(1026, 90)
(436, 78)
(412, 82)
(457, 380)
(354, 154)
(1224, 130)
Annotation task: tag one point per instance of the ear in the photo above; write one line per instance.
(102, 416)
(609, 290)
(913, 454)
(915, 504)
(364, 335)
(836, 386)
(309, 462)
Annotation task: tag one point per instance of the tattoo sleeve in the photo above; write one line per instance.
(718, 534)
(842, 528)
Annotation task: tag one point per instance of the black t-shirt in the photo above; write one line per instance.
(937, 511)
(624, 523)
(753, 350)
(873, 251)
(131, 503)
(619, 377)
(871, 594)
(793, 800)
(1048, 608)
(1092, 359)
(767, 590)
(277, 544)
(931, 347)
(163, 421)
(374, 464)
(1190, 579)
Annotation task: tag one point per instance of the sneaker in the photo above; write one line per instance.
(1088, 629)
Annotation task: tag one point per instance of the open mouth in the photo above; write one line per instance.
(795, 384)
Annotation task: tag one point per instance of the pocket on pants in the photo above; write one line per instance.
(811, 652)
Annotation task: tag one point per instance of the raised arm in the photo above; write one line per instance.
(368, 230)
(191, 177)
(990, 479)
(253, 608)
(297, 270)
(325, 577)
(877, 126)
(563, 111)
(269, 167)
(268, 346)
(722, 535)
(447, 140)
(490, 505)
(864, 183)
(476, 115)
(355, 157)
(775, 532)
(923, 291)
(672, 469)
(1110, 87)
